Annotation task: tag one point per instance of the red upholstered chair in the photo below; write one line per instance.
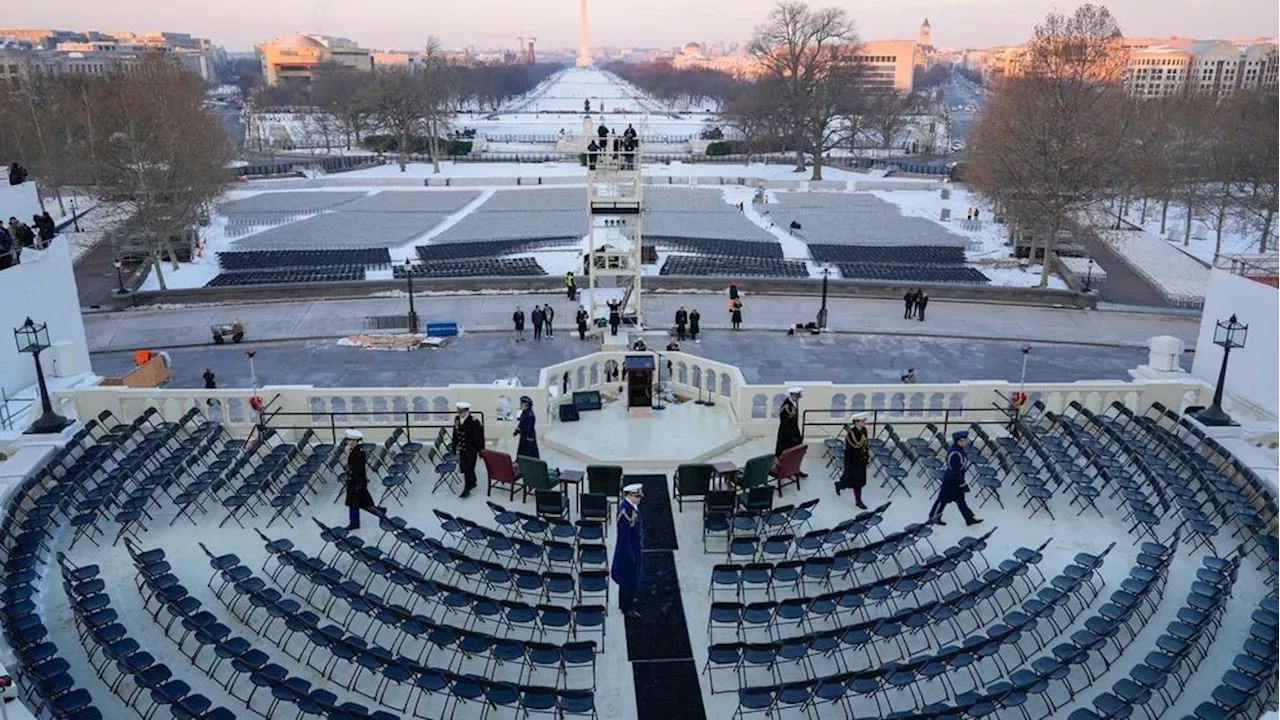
(502, 471)
(786, 469)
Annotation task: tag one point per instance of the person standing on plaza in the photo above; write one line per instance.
(468, 441)
(909, 300)
(538, 317)
(953, 487)
(615, 316)
(857, 454)
(789, 434)
(548, 315)
(695, 324)
(357, 489)
(628, 555)
(682, 321)
(517, 319)
(735, 313)
(582, 322)
(526, 429)
(571, 285)
(210, 380)
(922, 301)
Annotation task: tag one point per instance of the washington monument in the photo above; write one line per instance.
(584, 47)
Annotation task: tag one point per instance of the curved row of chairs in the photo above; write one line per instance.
(884, 682)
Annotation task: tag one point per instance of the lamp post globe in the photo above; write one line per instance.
(1228, 335)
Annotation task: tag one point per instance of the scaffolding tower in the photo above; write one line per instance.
(615, 196)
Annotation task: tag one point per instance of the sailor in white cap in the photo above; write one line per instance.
(357, 486)
(857, 453)
(468, 441)
(789, 434)
(628, 554)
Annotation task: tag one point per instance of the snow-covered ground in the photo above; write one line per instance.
(988, 251)
(1236, 238)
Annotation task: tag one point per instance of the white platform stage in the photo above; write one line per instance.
(680, 433)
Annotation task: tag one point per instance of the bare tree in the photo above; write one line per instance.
(1258, 178)
(810, 57)
(888, 112)
(412, 102)
(157, 152)
(440, 97)
(1053, 141)
(342, 91)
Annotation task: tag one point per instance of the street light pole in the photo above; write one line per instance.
(822, 312)
(119, 277)
(75, 216)
(1088, 278)
(413, 314)
(1229, 334)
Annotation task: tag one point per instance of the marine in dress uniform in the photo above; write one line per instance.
(857, 453)
(582, 322)
(789, 422)
(525, 429)
(953, 484)
(468, 441)
(628, 554)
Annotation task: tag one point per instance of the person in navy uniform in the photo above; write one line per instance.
(581, 317)
(525, 429)
(357, 489)
(468, 441)
(857, 453)
(628, 554)
(789, 434)
(953, 484)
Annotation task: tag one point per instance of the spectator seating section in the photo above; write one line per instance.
(289, 259)
(912, 273)
(716, 246)
(697, 265)
(337, 273)
(887, 254)
(478, 267)
(483, 249)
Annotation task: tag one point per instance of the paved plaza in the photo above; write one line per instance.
(764, 357)
(159, 329)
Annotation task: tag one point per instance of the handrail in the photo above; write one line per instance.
(408, 425)
(906, 416)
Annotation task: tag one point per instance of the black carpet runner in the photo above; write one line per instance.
(662, 665)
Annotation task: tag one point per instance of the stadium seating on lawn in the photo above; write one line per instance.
(478, 267)
(716, 246)
(443, 252)
(286, 259)
(912, 273)
(732, 266)
(888, 254)
(343, 273)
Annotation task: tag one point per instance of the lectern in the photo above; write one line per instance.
(640, 380)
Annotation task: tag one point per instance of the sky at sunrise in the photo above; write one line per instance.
(404, 24)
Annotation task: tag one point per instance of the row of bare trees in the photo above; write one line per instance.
(1065, 136)
(138, 139)
(691, 87)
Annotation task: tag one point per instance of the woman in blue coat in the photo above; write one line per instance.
(628, 554)
(525, 429)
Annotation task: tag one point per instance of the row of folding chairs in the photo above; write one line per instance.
(726, 513)
(103, 636)
(1250, 683)
(326, 646)
(1179, 653)
(829, 543)
(512, 617)
(194, 630)
(530, 530)
(886, 684)
(227, 467)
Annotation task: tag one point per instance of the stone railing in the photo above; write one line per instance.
(825, 406)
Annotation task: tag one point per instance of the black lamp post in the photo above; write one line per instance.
(413, 314)
(119, 277)
(1227, 335)
(32, 338)
(1088, 278)
(75, 216)
(822, 312)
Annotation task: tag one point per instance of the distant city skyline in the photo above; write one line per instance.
(238, 25)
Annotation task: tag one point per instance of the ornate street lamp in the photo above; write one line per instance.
(1227, 335)
(32, 338)
(413, 314)
(822, 312)
(119, 277)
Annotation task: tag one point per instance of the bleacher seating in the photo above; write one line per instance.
(721, 247)
(444, 252)
(289, 259)
(701, 265)
(477, 267)
(887, 254)
(912, 273)
(339, 273)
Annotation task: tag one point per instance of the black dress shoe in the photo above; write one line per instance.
(466, 493)
(861, 506)
(839, 487)
(975, 521)
(804, 474)
(353, 527)
(938, 521)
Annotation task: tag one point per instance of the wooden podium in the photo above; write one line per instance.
(640, 369)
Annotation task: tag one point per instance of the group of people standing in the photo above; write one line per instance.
(688, 324)
(916, 301)
(543, 316)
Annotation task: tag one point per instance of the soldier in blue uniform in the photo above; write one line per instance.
(525, 429)
(628, 554)
(953, 484)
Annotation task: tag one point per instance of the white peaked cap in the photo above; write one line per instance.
(860, 416)
(463, 405)
(634, 489)
(355, 435)
(796, 391)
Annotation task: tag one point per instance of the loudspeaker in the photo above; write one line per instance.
(569, 413)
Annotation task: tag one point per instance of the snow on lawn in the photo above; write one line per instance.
(988, 241)
(1235, 239)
